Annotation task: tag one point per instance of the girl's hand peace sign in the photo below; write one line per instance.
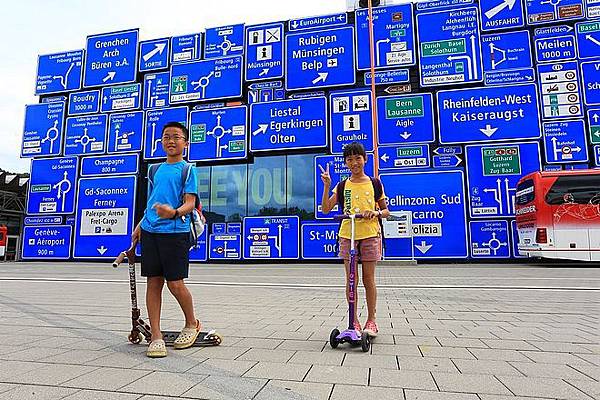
(325, 177)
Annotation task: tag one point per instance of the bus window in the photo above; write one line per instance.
(525, 192)
(580, 189)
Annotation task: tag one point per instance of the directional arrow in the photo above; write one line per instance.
(102, 250)
(385, 157)
(295, 24)
(423, 247)
(505, 3)
(595, 117)
(488, 130)
(405, 135)
(592, 39)
(105, 99)
(264, 72)
(158, 49)
(321, 78)
(110, 76)
(262, 128)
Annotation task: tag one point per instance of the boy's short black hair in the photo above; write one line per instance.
(175, 124)
(355, 148)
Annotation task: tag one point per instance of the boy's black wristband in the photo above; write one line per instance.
(175, 215)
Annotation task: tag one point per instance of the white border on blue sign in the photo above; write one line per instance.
(75, 186)
(24, 257)
(145, 125)
(119, 114)
(209, 245)
(396, 146)
(283, 52)
(62, 124)
(126, 155)
(167, 50)
(357, 91)
(37, 72)
(243, 234)
(140, 95)
(302, 226)
(509, 243)
(100, 115)
(585, 142)
(422, 94)
(96, 111)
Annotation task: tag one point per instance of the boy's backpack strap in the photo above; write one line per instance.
(152, 173)
(339, 191)
(187, 170)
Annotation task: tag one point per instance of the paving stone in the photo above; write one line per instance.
(468, 383)
(540, 370)
(371, 361)
(490, 367)
(298, 390)
(508, 344)
(224, 353)
(281, 371)
(434, 395)
(396, 349)
(542, 387)
(402, 379)
(106, 378)
(319, 358)
(345, 392)
(35, 392)
(226, 388)
(52, 374)
(499, 355)
(552, 358)
(99, 395)
(304, 345)
(219, 367)
(341, 375)
(588, 387)
(164, 384)
(446, 352)
(462, 342)
(426, 364)
(74, 357)
(280, 356)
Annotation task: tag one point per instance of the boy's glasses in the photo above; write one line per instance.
(173, 138)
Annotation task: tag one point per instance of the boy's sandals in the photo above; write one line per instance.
(187, 337)
(157, 349)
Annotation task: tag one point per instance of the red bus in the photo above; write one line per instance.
(558, 214)
(3, 240)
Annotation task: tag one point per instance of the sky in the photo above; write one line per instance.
(32, 27)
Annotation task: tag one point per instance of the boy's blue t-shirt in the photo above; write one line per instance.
(166, 189)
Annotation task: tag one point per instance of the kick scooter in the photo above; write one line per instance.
(351, 335)
(140, 329)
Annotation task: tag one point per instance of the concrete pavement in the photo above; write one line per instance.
(505, 332)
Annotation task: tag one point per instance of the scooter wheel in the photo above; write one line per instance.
(217, 339)
(135, 337)
(365, 342)
(333, 341)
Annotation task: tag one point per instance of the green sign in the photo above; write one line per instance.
(404, 107)
(409, 151)
(398, 33)
(236, 146)
(179, 84)
(198, 133)
(443, 47)
(594, 133)
(40, 188)
(501, 160)
(589, 27)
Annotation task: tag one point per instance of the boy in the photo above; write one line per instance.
(164, 234)
(359, 194)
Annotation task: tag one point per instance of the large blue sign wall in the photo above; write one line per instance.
(469, 98)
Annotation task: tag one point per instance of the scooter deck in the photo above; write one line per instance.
(204, 339)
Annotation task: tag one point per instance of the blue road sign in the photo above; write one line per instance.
(450, 47)
(111, 58)
(104, 220)
(43, 129)
(446, 161)
(590, 74)
(200, 251)
(87, 102)
(234, 228)
(489, 239)
(288, 124)
(86, 135)
(588, 39)
(548, 11)
(560, 89)
(338, 171)
(155, 120)
(572, 167)
(261, 92)
(124, 97)
(219, 228)
(550, 48)
(351, 119)
(393, 36)
(154, 54)
(125, 164)
(321, 21)
(515, 239)
(53, 99)
(156, 90)
(218, 134)
(509, 77)
(402, 157)
(437, 202)
(56, 220)
(52, 186)
(488, 114)
(501, 14)
(448, 150)
(264, 52)
(318, 59)
(492, 175)
(597, 155)
(565, 141)
(507, 58)
(320, 240)
(594, 125)
(60, 72)
(218, 78)
(224, 41)
(389, 77)
(405, 119)
(47, 242)
(552, 167)
(125, 132)
(263, 237)
(225, 246)
(186, 48)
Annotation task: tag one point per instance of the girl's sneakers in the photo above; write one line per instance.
(371, 328)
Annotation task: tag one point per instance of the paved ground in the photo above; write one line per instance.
(453, 332)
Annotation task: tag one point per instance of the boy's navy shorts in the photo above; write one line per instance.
(166, 255)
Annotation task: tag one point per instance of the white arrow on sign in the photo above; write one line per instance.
(264, 72)
(295, 24)
(158, 49)
(423, 247)
(488, 130)
(321, 78)
(102, 250)
(505, 3)
(405, 135)
(592, 39)
(110, 76)
(595, 117)
(385, 157)
(262, 128)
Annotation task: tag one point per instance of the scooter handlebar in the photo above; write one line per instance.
(129, 254)
(346, 216)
